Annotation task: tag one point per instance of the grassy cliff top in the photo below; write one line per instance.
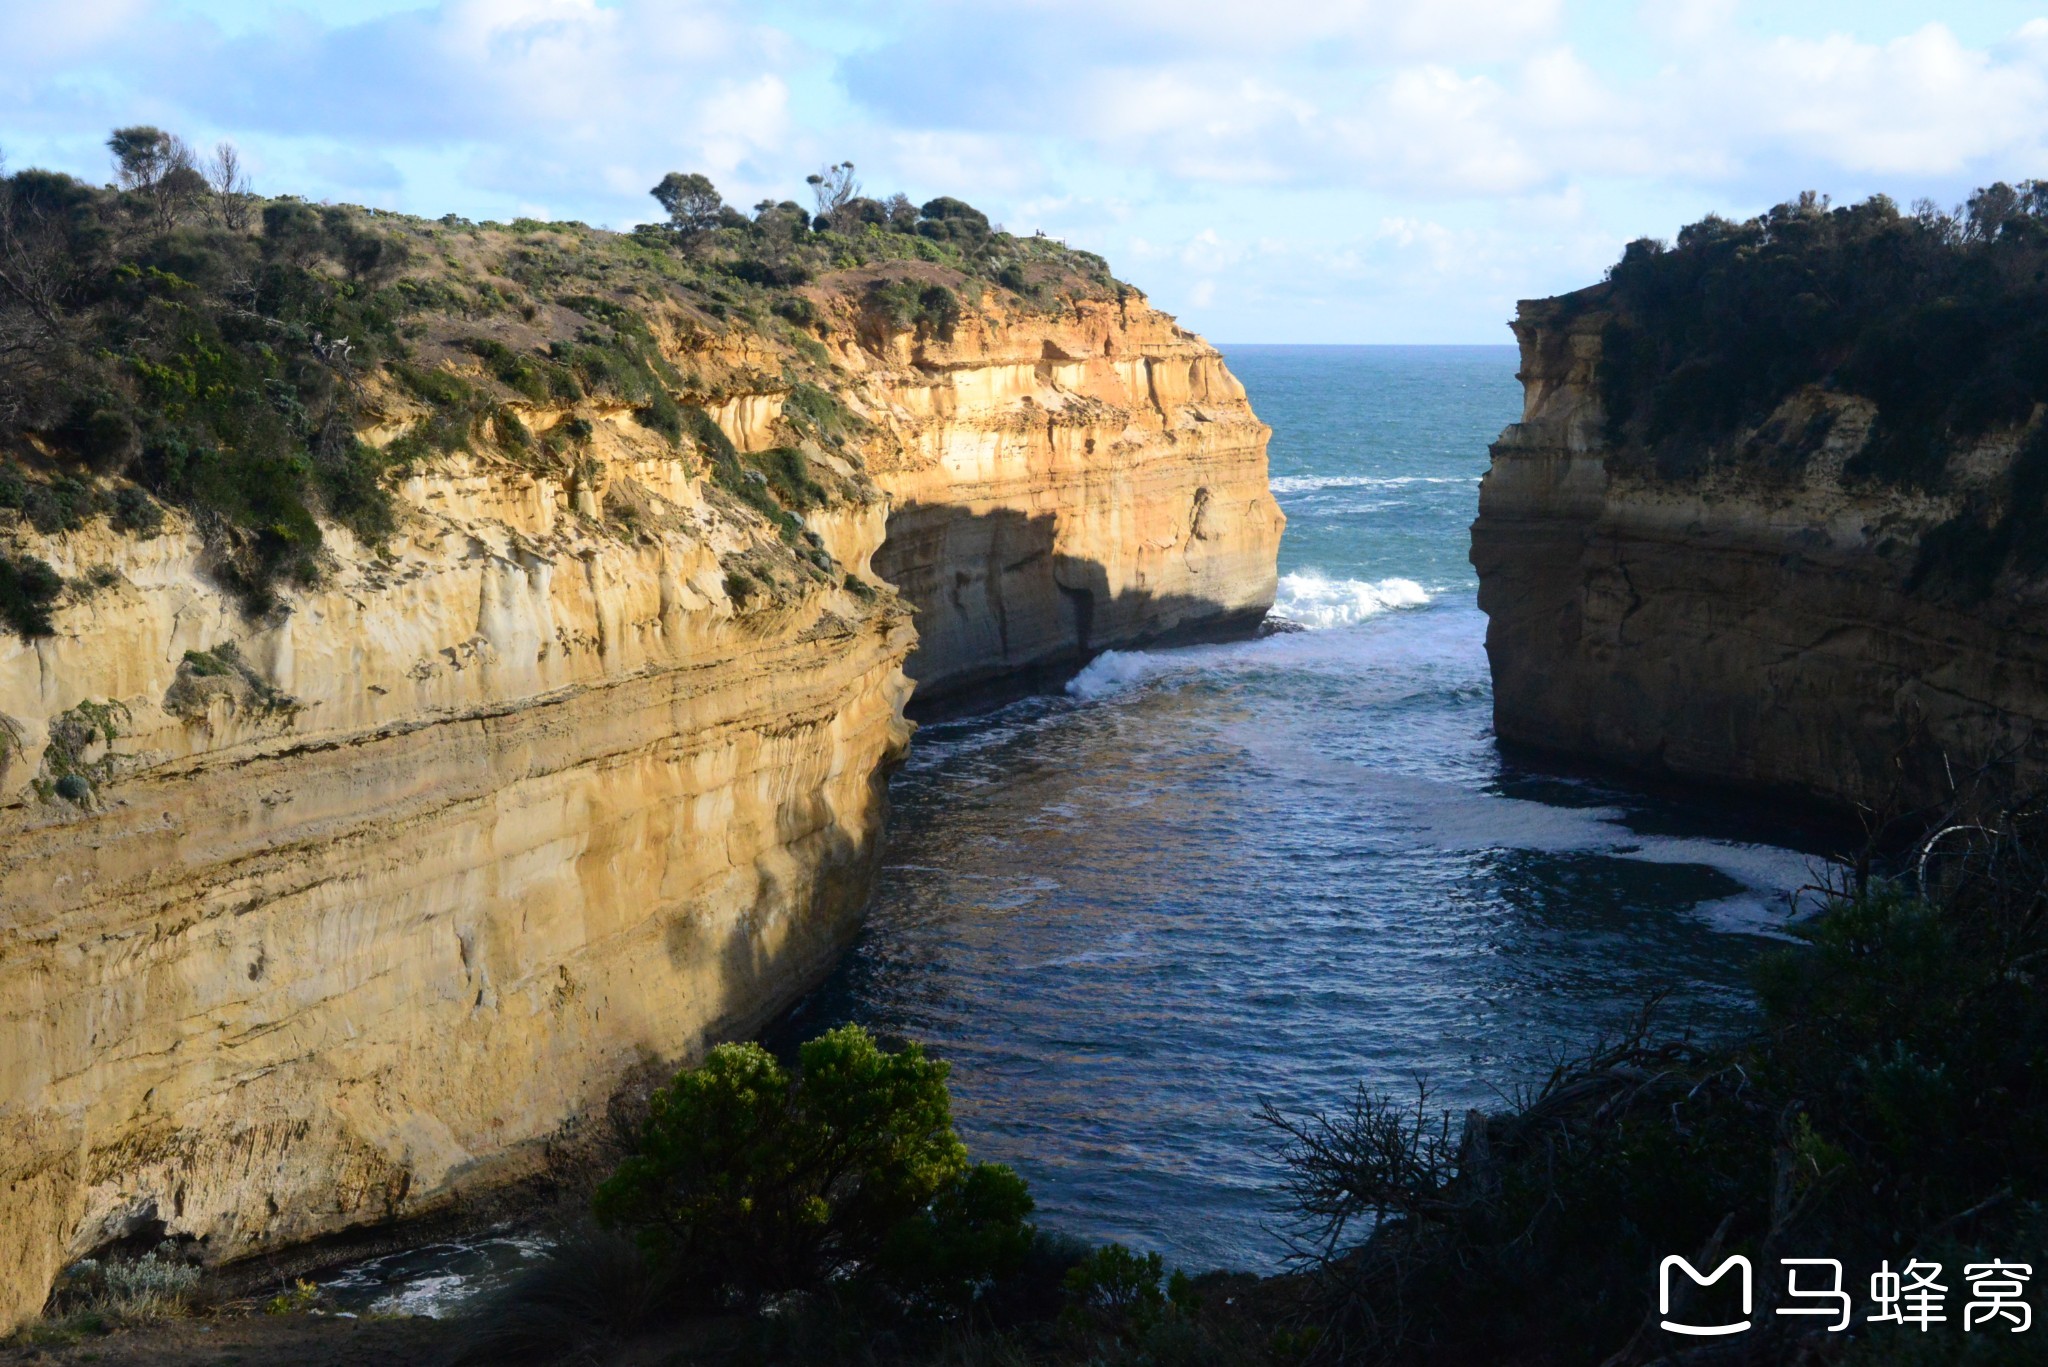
(1939, 319)
(170, 343)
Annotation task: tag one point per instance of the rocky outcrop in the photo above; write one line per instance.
(322, 920)
(1066, 484)
(1762, 618)
(325, 918)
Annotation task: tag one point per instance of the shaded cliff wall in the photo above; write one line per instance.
(1066, 484)
(1764, 618)
(367, 904)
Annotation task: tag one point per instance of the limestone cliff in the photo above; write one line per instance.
(368, 903)
(1764, 613)
(1062, 486)
(446, 679)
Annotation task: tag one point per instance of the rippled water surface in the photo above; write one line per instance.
(1282, 868)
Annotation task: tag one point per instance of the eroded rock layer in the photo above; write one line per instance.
(1065, 485)
(1764, 618)
(316, 922)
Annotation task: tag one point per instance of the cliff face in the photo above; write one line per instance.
(371, 902)
(1763, 616)
(1061, 486)
(321, 914)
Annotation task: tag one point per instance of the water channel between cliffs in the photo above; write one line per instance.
(1206, 877)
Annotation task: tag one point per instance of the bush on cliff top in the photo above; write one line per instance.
(216, 350)
(1938, 317)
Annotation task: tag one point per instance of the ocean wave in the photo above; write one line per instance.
(1113, 671)
(1312, 599)
(1308, 484)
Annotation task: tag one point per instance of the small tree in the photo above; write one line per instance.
(158, 165)
(691, 201)
(229, 206)
(752, 1181)
(833, 188)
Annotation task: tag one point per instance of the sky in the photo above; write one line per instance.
(1376, 171)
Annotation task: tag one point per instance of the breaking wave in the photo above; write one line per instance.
(1312, 599)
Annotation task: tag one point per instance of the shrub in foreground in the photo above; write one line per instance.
(749, 1181)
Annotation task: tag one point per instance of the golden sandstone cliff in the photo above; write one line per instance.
(1060, 489)
(1766, 618)
(322, 918)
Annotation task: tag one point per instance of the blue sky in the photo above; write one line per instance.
(1271, 170)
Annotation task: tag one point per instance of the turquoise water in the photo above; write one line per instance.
(1205, 877)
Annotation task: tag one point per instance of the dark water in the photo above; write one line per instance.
(1279, 869)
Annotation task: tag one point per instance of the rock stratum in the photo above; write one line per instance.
(1056, 491)
(331, 894)
(1755, 608)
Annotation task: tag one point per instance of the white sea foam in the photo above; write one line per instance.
(1113, 671)
(1308, 484)
(1312, 599)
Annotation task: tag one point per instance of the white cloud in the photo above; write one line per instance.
(1470, 149)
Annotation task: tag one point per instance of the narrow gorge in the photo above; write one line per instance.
(352, 865)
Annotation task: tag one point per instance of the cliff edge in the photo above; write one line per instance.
(445, 677)
(1773, 514)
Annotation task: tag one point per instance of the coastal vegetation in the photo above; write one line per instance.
(268, 366)
(1939, 318)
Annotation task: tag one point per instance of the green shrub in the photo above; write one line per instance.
(751, 1181)
(136, 513)
(435, 386)
(526, 374)
(28, 588)
(788, 473)
(1115, 1281)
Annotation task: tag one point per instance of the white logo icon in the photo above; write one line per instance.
(1703, 1330)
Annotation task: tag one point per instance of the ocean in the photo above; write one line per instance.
(1281, 870)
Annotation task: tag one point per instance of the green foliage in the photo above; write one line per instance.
(1937, 318)
(28, 588)
(1115, 1281)
(528, 375)
(97, 1294)
(222, 366)
(1940, 319)
(691, 201)
(754, 1182)
(788, 475)
(972, 1233)
(136, 513)
(213, 367)
(904, 305)
(749, 479)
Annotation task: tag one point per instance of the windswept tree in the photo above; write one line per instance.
(691, 201)
(159, 166)
(834, 188)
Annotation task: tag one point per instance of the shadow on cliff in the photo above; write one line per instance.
(1001, 614)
